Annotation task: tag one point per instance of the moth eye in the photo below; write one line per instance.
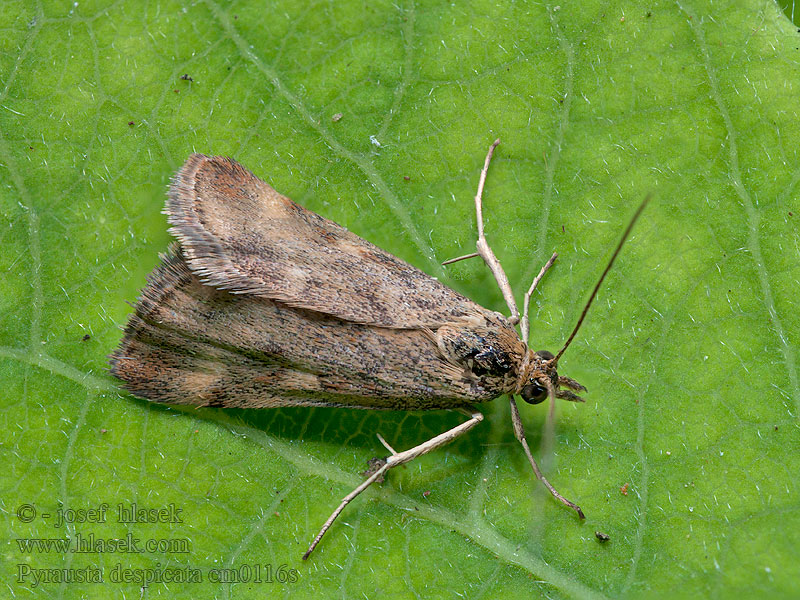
(533, 393)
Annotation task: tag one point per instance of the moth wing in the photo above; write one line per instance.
(239, 234)
(189, 343)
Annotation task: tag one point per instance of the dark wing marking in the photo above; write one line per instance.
(239, 234)
(190, 343)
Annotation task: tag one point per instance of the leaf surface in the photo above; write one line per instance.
(689, 353)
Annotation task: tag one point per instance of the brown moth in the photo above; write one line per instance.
(263, 303)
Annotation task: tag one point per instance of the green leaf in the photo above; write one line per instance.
(689, 353)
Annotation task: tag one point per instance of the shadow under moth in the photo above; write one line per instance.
(262, 303)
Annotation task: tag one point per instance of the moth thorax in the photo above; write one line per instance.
(490, 355)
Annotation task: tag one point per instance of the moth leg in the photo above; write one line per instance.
(396, 459)
(386, 444)
(519, 432)
(525, 323)
(466, 256)
(484, 251)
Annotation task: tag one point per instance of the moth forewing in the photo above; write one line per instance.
(191, 343)
(263, 303)
(239, 234)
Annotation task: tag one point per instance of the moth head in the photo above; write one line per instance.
(542, 380)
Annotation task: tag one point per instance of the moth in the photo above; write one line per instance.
(262, 303)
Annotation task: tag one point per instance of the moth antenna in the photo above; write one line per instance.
(602, 277)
